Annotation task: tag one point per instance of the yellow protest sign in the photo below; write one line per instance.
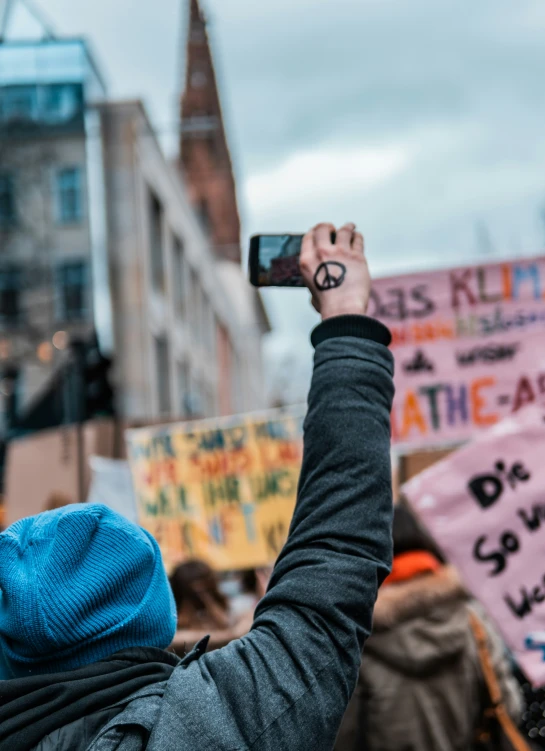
(222, 490)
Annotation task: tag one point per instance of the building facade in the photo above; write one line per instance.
(97, 232)
(183, 320)
(47, 233)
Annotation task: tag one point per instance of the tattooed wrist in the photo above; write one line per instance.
(329, 275)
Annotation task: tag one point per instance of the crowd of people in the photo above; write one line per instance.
(100, 650)
(421, 660)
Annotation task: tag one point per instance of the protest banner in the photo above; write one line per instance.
(469, 345)
(485, 507)
(111, 485)
(220, 490)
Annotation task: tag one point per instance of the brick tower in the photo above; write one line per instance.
(204, 153)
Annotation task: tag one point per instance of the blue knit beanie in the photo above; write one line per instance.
(77, 585)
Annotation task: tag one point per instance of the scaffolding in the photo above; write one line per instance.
(7, 8)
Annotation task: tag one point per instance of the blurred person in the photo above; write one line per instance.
(201, 615)
(199, 601)
(86, 610)
(252, 585)
(203, 610)
(421, 687)
(256, 580)
(249, 584)
(263, 577)
(57, 500)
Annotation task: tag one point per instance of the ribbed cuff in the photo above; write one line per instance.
(361, 327)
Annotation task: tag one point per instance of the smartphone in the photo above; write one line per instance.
(274, 261)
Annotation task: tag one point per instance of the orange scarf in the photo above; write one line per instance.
(408, 565)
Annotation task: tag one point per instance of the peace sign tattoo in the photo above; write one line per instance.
(329, 275)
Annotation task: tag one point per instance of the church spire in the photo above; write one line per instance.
(204, 152)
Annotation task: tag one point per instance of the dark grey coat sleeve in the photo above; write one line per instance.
(287, 683)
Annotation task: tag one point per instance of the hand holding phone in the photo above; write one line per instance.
(335, 270)
(333, 266)
(274, 261)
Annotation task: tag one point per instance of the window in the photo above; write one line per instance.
(7, 200)
(197, 33)
(179, 276)
(48, 104)
(53, 97)
(163, 374)
(60, 103)
(194, 310)
(204, 215)
(196, 402)
(156, 243)
(199, 125)
(184, 401)
(69, 198)
(18, 103)
(198, 79)
(10, 295)
(207, 317)
(72, 290)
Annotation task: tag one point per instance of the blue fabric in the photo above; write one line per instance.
(76, 585)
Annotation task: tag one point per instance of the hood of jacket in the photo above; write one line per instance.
(34, 707)
(420, 624)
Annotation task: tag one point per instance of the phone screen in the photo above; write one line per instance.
(274, 261)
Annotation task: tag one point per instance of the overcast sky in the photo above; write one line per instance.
(422, 121)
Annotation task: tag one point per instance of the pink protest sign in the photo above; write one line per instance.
(485, 506)
(469, 345)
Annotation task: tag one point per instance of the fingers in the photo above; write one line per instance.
(319, 239)
(307, 252)
(358, 243)
(322, 235)
(345, 235)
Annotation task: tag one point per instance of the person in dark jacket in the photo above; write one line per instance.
(421, 686)
(86, 611)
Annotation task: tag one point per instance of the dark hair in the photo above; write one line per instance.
(189, 579)
(57, 500)
(410, 536)
(249, 581)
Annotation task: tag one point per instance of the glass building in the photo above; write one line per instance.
(47, 84)
(53, 253)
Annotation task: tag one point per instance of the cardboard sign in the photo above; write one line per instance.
(220, 490)
(111, 484)
(485, 506)
(469, 345)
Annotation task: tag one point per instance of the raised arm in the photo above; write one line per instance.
(287, 683)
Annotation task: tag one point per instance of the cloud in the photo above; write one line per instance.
(458, 90)
(434, 111)
(313, 176)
